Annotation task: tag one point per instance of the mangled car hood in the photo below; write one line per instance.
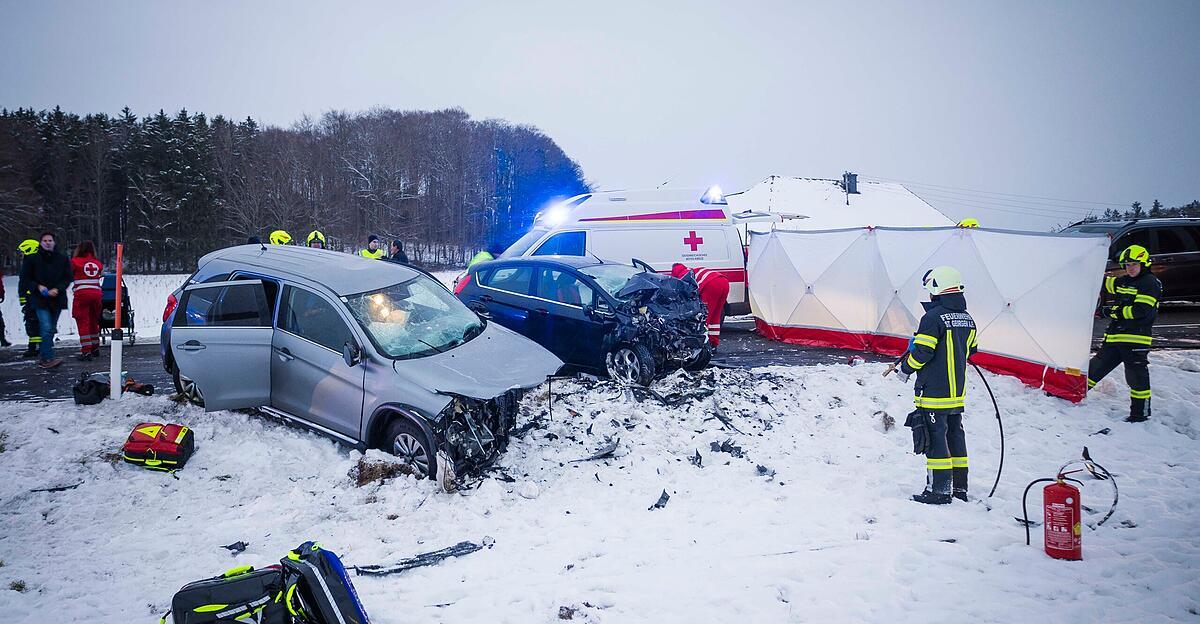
(662, 294)
(494, 362)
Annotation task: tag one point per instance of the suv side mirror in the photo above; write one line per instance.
(351, 354)
(599, 311)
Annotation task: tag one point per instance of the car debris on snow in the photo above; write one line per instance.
(662, 501)
(236, 548)
(696, 460)
(424, 559)
(605, 451)
(727, 447)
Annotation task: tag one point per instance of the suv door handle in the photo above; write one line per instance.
(284, 354)
(191, 345)
(486, 298)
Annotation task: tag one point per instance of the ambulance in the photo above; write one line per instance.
(656, 227)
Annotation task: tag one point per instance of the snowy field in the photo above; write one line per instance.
(147, 295)
(828, 537)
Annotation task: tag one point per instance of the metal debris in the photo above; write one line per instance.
(605, 451)
(662, 501)
(696, 460)
(727, 447)
(236, 548)
(423, 559)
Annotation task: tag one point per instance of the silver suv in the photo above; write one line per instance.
(372, 353)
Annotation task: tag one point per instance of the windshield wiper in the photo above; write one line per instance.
(430, 346)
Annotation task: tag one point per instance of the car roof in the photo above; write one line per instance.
(1117, 225)
(342, 273)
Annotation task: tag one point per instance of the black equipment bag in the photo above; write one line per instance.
(242, 595)
(91, 389)
(318, 589)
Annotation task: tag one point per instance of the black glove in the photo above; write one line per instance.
(919, 424)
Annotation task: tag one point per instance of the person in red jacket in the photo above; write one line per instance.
(714, 292)
(86, 292)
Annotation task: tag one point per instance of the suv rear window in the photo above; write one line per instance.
(1175, 240)
(224, 306)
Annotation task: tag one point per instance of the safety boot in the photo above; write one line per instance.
(932, 498)
(959, 475)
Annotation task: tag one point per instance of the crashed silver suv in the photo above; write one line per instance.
(372, 353)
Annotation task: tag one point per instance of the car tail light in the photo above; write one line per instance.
(171, 303)
(462, 283)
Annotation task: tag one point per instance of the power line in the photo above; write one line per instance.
(978, 206)
(989, 204)
(1019, 203)
(959, 188)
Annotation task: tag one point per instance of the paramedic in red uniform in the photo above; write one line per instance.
(714, 292)
(86, 305)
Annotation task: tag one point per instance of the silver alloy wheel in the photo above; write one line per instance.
(623, 366)
(409, 449)
(191, 390)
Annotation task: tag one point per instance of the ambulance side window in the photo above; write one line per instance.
(563, 244)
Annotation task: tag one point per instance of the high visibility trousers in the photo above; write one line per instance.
(86, 310)
(1137, 372)
(32, 330)
(946, 455)
(714, 293)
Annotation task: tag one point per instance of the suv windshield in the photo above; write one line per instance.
(413, 319)
(611, 277)
(523, 244)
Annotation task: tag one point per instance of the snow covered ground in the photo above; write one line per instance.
(147, 295)
(830, 536)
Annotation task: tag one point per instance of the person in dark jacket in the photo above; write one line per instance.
(3, 339)
(396, 253)
(48, 273)
(1127, 339)
(938, 355)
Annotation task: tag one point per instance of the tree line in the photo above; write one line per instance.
(174, 187)
(1156, 211)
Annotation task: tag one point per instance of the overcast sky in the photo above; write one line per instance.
(1045, 101)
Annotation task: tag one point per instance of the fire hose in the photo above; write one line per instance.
(1096, 470)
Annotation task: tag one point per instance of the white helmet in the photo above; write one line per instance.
(942, 280)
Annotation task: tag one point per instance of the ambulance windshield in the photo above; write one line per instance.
(518, 249)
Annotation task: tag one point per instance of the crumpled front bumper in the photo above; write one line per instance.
(472, 433)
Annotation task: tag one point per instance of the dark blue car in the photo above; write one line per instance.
(595, 316)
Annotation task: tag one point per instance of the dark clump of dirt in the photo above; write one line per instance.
(370, 471)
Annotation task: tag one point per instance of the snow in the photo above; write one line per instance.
(825, 204)
(147, 295)
(830, 536)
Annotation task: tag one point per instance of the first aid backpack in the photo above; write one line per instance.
(243, 595)
(159, 447)
(318, 588)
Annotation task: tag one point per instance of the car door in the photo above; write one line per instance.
(561, 322)
(309, 378)
(504, 295)
(222, 341)
(1177, 261)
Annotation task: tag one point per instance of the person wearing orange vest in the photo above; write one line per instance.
(86, 293)
(714, 292)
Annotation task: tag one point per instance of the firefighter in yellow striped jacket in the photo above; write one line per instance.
(1127, 339)
(944, 341)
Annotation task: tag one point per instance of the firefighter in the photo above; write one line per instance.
(968, 223)
(1127, 339)
(281, 237)
(28, 247)
(373, 251)
(938, 354)
(86, 293)
(315, 239)
(492, 252)
(714, 292)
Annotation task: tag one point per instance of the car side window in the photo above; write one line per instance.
(313, 318)
(224, 306)
(563, 287)
(1139, 236)
(270, 288)
(1175, 240)
(563, 244)
(510, 279)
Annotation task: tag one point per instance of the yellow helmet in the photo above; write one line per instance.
(28, 247)
(280, 237)
(969, 223)
(1135, 253)
(942, 280)
(315, 235)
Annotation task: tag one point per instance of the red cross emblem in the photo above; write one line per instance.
(693, 240)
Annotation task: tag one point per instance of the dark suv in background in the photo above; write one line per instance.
(1174, 246)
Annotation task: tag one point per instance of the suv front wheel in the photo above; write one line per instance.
(407, 442)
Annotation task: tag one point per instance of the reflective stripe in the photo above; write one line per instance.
(926, 340)
(1109, 283)
(1125, 290)
(914, 364)
(1127, 312)
(959, 462)
(1128, 338)
(939, 463)
(936, 403)
(950, 364)
(1091, 384)
(1139, 394)
(1146, 299)
(971, 340)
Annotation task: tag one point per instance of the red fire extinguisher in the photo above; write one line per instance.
(1061, 509)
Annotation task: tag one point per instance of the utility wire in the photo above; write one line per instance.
(1005, 207)
(959, 188)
